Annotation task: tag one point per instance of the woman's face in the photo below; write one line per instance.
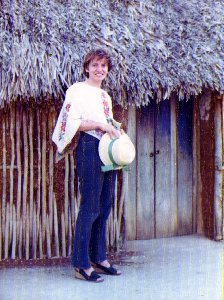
(97, 69)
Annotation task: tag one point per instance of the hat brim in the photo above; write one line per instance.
(118, 152)
(103, 149)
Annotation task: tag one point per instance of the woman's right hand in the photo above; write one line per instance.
(111, 130)
(87, 125)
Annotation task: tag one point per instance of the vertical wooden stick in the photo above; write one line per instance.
(72, 191)
(69, 233)
(63, 235)
(66, 182)
(20, 239)
(3, 176)
(121, 205)
(39, 238)
(222, 160)
(13, 256)
(34, 233)
(56, 228)
(25, 178)
(44, 190)
(114, 228)
(51, 175)
(218, 206)
(31, 200)
(223, 121)
(0, 231)
(6, 254)
(19, 179)
(77, 202)
(38, 232)
(110, 229)
(12, 122)
(27, 232)
(48, 237)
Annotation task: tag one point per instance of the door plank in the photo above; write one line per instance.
(173, 166)
(196, 190)
(164, 207)
(130, 192)
(145, 172)
(185, 172)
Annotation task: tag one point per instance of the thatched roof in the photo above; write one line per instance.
(158, 46)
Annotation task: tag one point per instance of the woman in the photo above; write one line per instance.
(88, 109)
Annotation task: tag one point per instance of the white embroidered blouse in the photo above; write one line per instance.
(82, 102)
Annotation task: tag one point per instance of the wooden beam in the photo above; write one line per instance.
(207, 163)
(218, 213)
(165, 207)
(3, 216)
(185, 170)
(173, 165)
(197, 201)
(130, 189)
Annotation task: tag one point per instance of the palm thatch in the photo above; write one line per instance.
(159, 47)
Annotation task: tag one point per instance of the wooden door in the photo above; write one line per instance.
(164, 170)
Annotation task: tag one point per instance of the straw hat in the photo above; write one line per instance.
(116, 153)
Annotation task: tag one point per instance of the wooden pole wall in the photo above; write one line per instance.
(39, 198)
(218, 180)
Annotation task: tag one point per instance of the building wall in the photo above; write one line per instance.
(168, 191)
(173, 175)
(40, 198)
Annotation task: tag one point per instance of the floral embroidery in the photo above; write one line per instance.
(64, 121)
(106, 108)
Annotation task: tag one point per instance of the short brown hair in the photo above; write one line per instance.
(100, 53)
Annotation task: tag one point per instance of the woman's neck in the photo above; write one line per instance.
(93, 83)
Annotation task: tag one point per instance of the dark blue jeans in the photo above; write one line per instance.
(97, 194)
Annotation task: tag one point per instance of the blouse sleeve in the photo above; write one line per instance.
(116, 124)
(68, 121)
(110, 106)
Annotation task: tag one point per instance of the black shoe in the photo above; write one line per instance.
(94, 277)
(106, 270)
